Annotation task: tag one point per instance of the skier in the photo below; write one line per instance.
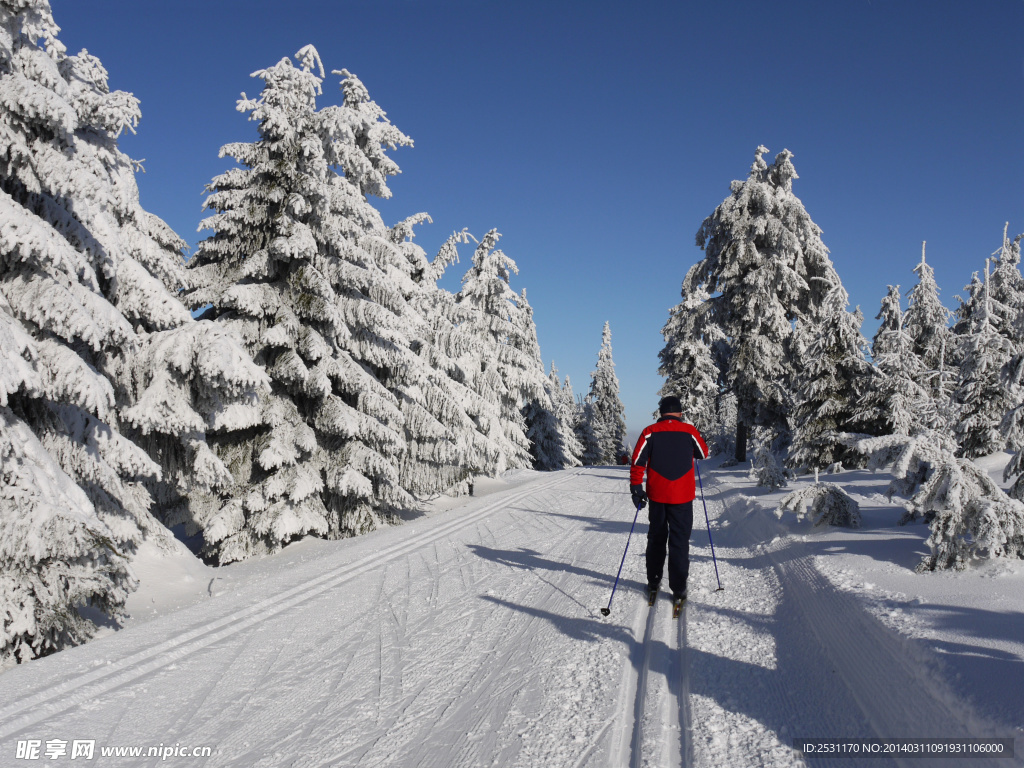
(666, 451)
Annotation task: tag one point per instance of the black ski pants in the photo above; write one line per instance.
(671, 524)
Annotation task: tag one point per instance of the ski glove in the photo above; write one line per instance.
(639, 496)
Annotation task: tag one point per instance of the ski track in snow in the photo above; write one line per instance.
(813, 662)
(472, 638)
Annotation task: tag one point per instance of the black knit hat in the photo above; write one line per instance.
(670, 404)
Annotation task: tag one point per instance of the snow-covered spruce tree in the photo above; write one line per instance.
(687, 362)
(394, 343)
(97, 417)
(969, 515)
(294, 266)
(966, 307)
(823, 503)
(55, 552)
(565, 411)
(590, 454)
(766, 468)
(721, 438)
(495, 367)
(983, 400)
(897, 403)
(834, 376)
(543, 429)
(972, 517)
(607, 414)
(440, 449)
(764, 267)
(444, 449)
(1012, 427)
(926, 322)
(1006, 288)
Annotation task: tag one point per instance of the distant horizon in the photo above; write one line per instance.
(597, 141)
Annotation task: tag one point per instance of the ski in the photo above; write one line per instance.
(677, 607)
(652, 594)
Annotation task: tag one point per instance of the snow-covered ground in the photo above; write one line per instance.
(471, 635)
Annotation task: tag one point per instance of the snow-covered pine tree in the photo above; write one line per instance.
(973, 518)
(764, 266)
(57, 554)
(607, 414)
(585, 434)
(1011, 291)
(543, 429)
(687, 362)
(721, 438)
(99, 359)
(834, 376)
(1012, 427)
(1006, 288)
(823, 503)
(983, 400)
(966, 307)
(969, 515)
(890, 317)
(926, 322)
(766, 468)
(897, 403)
(547, 446)
(444, 450)
(496, 368)
(565, 411)
(295, 266)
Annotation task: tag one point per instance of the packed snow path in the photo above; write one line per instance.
(473, 637)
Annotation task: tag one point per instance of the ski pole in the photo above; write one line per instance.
(708, 521)
(608, 610)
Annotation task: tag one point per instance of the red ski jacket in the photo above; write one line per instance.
(666, 450)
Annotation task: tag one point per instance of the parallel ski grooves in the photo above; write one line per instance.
(685, 723)
(32, 709)
(885, 675)
(636, 752)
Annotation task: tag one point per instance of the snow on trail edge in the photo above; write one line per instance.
(471, 636)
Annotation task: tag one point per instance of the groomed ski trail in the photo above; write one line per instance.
(48, 700)
(472, 637)
(657, 727)
(786, 655)
(646, 650)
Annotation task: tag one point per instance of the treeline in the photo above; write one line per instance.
(763, 346)
(302, 374)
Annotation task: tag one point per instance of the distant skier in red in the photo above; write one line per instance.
(666, 451)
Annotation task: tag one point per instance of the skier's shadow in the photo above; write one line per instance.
(531, 560)
(582, 628)
(599, 524)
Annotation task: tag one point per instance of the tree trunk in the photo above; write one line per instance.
(741, 441)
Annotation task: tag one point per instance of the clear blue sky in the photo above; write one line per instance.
(596, 136)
